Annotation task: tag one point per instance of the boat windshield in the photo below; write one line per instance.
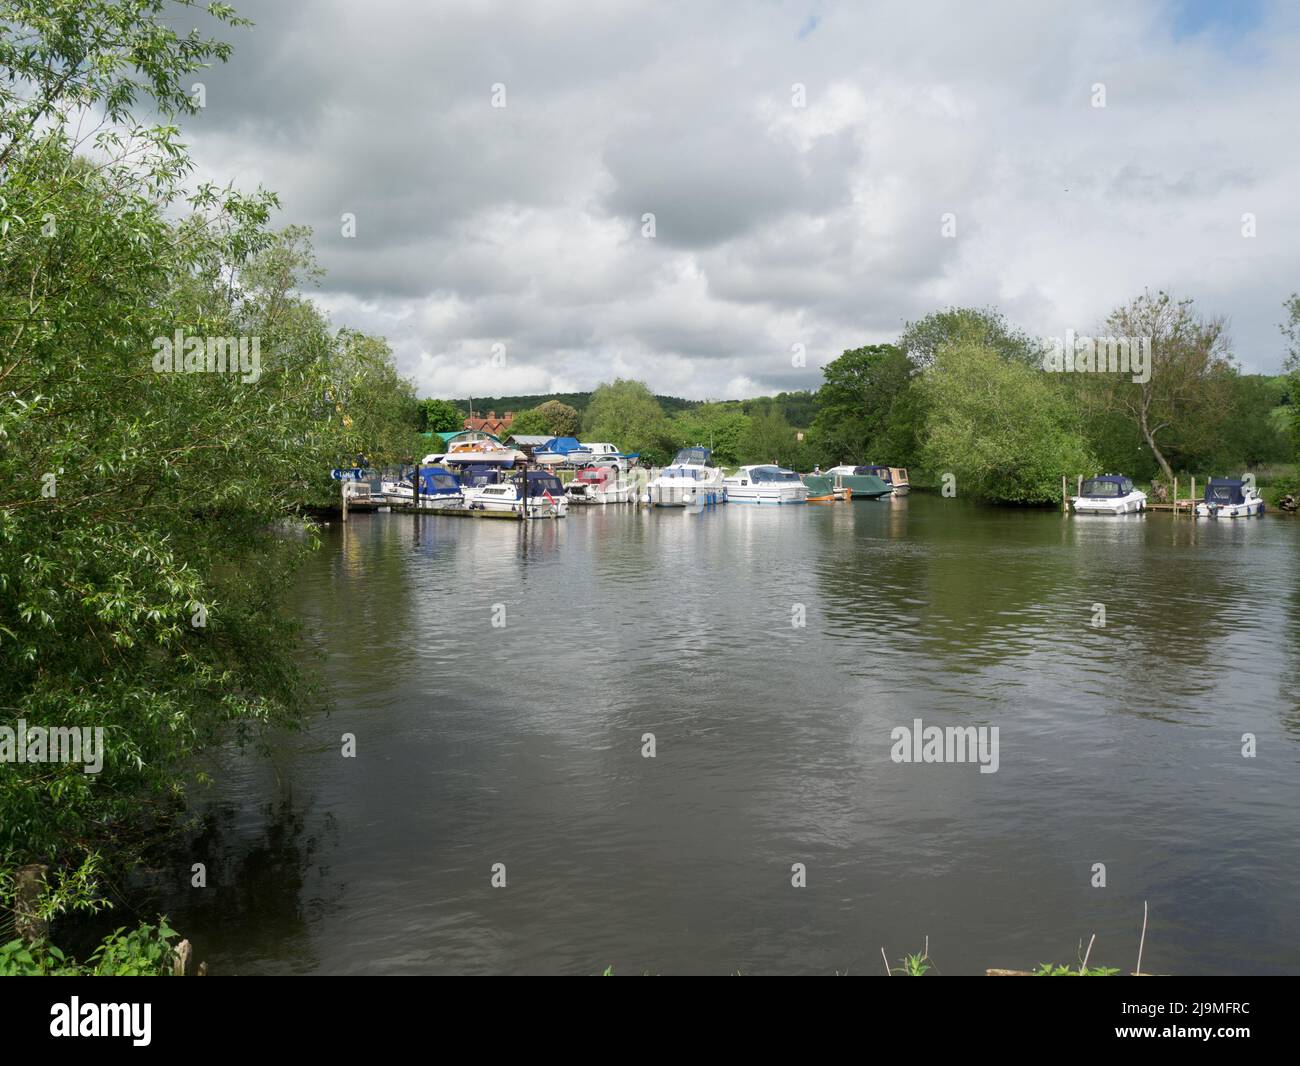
(686, 473)
(1103, 487)
(478, 476)
(539, 484)
(697, 456)
(438, 483)
(772, 473)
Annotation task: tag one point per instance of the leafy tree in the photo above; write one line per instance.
(720, 426)
(440, 416)
(865, 406)
(144, 566)
(769, 438)
(1006, 430)
(561, 420)
(627, 414)
(921, 340)
(1181, 409)
(531, 423)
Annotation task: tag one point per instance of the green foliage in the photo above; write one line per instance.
(867, 408)
(550, 419)
(916, 965)
(923, 339)
(147, 530)
(1050, 969)
(769, 438)
(625, 413)
(1006, 430)
(720, 426)
(440, 416)
(146, 951)
(1184, 411)
(560, 419)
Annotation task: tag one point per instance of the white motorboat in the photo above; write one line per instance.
(765, 484)
(545, 497)
(692, 480)
(1229, 498)
(1110, 494)
(599, 484)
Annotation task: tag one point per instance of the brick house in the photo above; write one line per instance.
(498, 427)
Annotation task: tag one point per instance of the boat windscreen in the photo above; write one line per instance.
(438, 481)
(697, 456)
(1106, 488)
(1224, 492)
(768, 474)
(540, 484)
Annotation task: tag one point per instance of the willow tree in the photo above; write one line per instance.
(1182, 403)
(143, 567)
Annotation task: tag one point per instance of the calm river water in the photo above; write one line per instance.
(522, 745)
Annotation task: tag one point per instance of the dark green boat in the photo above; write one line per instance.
(864, 486)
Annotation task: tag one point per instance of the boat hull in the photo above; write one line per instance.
(1232, 510)
(1133, 503)
(767, 497)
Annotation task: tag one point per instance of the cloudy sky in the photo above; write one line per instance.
(775, 224)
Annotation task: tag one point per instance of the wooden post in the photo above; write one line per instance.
(28, 882)
(343, 490)
(415, 487)
(1065, 495)
(1191, 504)
(1175, 497)
(1079, 486)
(181, 959)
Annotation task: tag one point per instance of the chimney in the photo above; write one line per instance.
(492, 416)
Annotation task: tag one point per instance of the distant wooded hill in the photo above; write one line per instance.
(797, 408)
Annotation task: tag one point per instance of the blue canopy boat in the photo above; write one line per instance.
(439, 487)
(1227, 497)
(1109, 494)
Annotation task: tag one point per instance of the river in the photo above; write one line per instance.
(500, 683)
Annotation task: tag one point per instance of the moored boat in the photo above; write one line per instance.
(765, 484)
(692, 479)
(545, 495)
(1110, 494)
(1229, 498)
(864, 484)
(439, 487)
(821, 489)
(599, 484)
(893, 476)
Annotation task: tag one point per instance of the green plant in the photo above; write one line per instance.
(1056, 969)
(145, 951)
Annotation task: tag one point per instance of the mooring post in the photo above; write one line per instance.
(343, 489)
(1191, 504)
(415, 488)
(1065, 495)
(183, 955)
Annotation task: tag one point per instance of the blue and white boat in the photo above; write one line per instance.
(1229, 498)
(1109, 494)
(439, 487)
(545, 497)
(693, 480)
(765, 484)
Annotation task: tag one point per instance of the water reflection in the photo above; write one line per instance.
(522, 744)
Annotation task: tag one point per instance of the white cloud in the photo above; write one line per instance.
(776, 224)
